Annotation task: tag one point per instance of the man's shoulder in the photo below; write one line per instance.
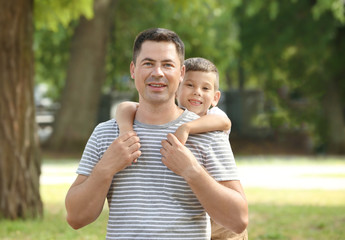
(190, 116)
(106, 127)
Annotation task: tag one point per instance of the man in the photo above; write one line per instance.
(165, 193)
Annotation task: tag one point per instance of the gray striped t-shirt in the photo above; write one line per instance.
(147, 200)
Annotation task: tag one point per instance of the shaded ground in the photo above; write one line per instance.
(280, 145)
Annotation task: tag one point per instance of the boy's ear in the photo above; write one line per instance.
(131, 69)
(215, 98)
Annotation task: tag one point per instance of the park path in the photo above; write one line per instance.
(328, 177)
(300, 176)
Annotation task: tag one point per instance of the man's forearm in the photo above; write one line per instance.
(86, 197)
(226, 204)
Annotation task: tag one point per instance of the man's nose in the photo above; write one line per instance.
(157, 71)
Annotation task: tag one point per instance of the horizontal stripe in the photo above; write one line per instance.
(147, 200)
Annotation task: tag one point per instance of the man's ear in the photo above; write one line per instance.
(215, 99)
(131, 69)
(183, 72)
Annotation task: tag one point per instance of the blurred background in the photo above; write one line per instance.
(64, 66)
(281, 67)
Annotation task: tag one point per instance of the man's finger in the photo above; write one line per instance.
(172, 139)
(132, 141)
(127, 135)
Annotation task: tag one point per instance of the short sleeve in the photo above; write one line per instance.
(220, 161)
(219, 112)
(101, 138)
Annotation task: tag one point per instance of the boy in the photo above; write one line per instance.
(198, 91)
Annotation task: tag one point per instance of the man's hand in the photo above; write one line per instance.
(121, 153)
(178, 158)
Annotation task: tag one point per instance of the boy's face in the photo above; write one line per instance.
(197, 93)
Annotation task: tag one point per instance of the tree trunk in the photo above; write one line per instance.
(85, 76)
(335, 120)
(19, 147)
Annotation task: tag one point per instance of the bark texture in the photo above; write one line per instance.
(335, 120)
(19, 146)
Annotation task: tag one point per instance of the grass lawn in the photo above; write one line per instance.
(282, 214)
(296, 214)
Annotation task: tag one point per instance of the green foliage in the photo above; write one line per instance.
(207, 28)
(51, 58)
(49, 14)
(54, 24)
(292, 50)
(337, 7)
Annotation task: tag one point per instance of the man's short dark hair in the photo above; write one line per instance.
(158, 35)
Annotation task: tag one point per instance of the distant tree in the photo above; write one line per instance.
(84, 80)
(55, 22)
(19, 149)
(294, 50)
(20, 159)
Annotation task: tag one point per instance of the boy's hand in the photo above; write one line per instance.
(182, 133)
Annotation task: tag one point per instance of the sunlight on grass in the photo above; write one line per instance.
(275, 214)
(291, 222)
(290, 214)
(325, 175)
(53, 226)
(296, 197)
(289, 160)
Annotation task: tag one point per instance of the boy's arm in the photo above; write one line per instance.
(206, 123)
(125, 114)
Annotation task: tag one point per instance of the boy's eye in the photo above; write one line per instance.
(206, 88)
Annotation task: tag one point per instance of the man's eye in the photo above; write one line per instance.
(147, 64)
(168, 65)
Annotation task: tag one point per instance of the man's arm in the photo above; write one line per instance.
(225, 202)
(125, 114)
(85, 198)
(207, 123)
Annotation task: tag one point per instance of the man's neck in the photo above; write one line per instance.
(157, 114)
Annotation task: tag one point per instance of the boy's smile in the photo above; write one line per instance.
(197, 92)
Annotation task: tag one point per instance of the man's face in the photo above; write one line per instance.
(157, 72)
(197, 93)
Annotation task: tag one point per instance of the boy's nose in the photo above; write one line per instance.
(197, 91)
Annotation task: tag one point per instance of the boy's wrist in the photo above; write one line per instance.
(186, 127)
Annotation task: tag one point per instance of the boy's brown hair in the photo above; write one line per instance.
(199, 64)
